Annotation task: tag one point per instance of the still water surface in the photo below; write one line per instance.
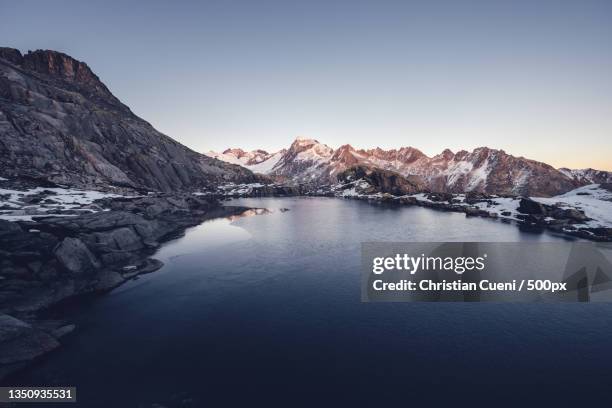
(266, 309)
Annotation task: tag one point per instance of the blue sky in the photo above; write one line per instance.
(531, 77)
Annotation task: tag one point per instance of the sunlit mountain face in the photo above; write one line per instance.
(482, 170)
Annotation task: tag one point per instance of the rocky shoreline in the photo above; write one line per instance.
(62, 244)
(50, 259)
(532, 216)
(528, 213)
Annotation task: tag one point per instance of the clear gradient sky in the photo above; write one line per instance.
(531, 77)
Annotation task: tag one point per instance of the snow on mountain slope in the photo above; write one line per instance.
(265, 166)
(306, 160)
(228, 158)
(590, 176)
(481, 170)
(258, 161)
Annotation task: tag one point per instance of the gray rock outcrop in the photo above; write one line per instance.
(75, 257)
(60, 123)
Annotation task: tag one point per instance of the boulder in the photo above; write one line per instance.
(471, 211)
(154, 210)
(439, 196)
(123, 239)
(409, 200)
(570, 214)
(473, 197)
(528, 206)
(75, 257)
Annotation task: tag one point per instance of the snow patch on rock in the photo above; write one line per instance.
(16, 205)
(596, 202)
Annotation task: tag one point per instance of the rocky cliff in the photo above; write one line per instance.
(60, 123)
(372, 180)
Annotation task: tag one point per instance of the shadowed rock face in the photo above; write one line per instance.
(59, 122)
(54, 258)
(383, 181)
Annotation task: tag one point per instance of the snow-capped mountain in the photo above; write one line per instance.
(239, 156)
(483, 169)
(258, 161)
(305, 160)
(588, 176)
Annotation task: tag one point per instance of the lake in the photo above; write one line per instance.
(265, 310)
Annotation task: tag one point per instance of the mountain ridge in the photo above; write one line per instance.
(483, 169)
(60, 123)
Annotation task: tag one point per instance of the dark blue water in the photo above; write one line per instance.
(266, 311)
